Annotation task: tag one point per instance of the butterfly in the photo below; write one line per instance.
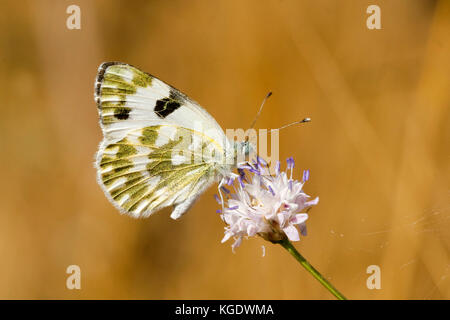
(159, 147)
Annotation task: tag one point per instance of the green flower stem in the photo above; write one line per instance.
(291, 249)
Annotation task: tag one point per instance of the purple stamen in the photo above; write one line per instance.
(233, 208)
(305, 175)
(217, 199)
(271, 190)
(218, 211)
(290, 185)
(255, 171)
(290, 163)
(261, 161)
(240, 181)
(255, 165)
(230, 181)
(242, 175)
(225, 190)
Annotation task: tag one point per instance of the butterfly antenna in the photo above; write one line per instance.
(293, 123)
(260, 109)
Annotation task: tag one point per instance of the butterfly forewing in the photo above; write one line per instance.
(152, 154)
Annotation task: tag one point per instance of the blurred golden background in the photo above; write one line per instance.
(377, 146)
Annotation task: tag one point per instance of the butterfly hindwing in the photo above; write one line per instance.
(143, 172)
(150, 157)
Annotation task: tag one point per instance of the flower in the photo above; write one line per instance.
(270, 206)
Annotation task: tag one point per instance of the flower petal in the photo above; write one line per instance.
(237, 243)
(265, 204)
(282, 217)
(299, 218)
(312, 202)
(251, 230)
(292, 233)
(302, 228)
(226, 237)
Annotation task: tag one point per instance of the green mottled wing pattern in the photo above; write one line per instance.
(141, 176)
(148, 160)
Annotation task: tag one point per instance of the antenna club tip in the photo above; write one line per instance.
(269, 94)
(306, 120)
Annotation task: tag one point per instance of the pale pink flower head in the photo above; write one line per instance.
(271, 206)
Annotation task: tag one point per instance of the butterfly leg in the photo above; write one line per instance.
(219, 188)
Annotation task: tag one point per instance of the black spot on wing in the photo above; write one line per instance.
(122, 113)
(166, 106)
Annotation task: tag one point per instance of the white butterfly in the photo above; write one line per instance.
(153, 154)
